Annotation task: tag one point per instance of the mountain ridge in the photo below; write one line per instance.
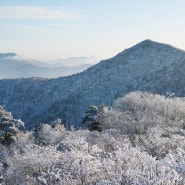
(147, 66)
(12, 66)
(5, 55)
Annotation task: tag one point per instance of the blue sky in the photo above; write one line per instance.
(51, 29)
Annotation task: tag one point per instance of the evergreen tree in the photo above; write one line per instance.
(9, 127)
(95, 117)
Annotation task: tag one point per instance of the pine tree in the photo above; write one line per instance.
(9, 127)
(94, 117)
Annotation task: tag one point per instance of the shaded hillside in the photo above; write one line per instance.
(148, 66)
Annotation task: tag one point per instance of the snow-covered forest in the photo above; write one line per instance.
(140, 139)
(147, 66)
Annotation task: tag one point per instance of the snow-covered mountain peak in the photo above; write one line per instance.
(147, 52)
(147, 43)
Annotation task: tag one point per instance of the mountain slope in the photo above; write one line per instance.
(148, 66)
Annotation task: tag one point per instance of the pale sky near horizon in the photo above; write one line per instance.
(51, 29)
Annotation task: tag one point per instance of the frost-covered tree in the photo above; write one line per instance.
(137, 111)
(48, 133)
(9, 127)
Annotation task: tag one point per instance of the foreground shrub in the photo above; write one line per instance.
(142, 142)
(49, 133)
(137, 111)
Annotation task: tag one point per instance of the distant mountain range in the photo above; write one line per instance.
(147, 66)
(12, 66)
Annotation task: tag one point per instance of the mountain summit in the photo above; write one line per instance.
(147, 66)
